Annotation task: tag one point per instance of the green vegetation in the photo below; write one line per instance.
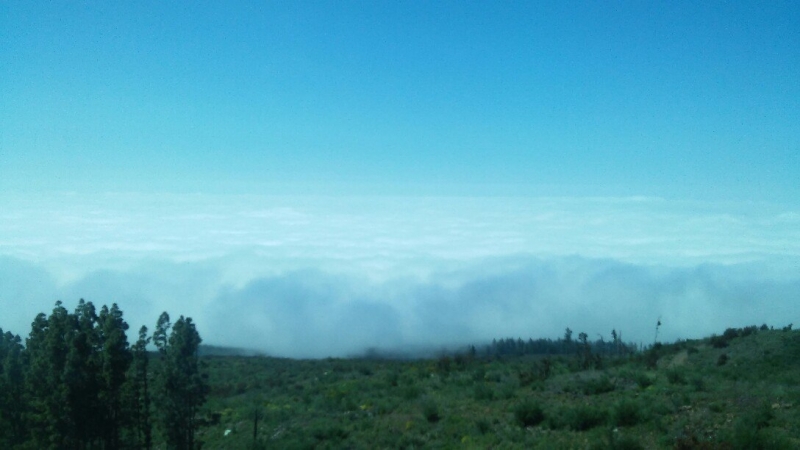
(77, 384)
(601, 395)
(668, 396)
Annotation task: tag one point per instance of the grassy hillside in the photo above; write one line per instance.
(738, 390)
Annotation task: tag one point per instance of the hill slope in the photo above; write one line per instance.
(738, 390)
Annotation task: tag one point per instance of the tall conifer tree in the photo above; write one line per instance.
(139, 394)
(182, 388)
(115, 358)
(12, 400)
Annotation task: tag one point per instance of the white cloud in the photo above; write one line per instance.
(313, 276)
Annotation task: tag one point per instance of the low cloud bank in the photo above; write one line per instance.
(316, 313)
(311, 314)
(332, 276)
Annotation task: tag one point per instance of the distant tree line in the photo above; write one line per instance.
(77, 383)
(562, 346)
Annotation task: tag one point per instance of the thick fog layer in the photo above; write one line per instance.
(316, 276)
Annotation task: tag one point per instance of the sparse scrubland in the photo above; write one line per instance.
(736, 390)
(687, 394)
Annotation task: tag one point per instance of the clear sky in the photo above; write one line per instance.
(624, 98)
(511, 165)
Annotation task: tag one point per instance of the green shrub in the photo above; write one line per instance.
(430, 410)
(526, 377)
(508, 389)
(383, 407)
(483, 426)
(675, 376)
(334, 433)
(616, 442)
(494, 376)
(479, 374)
(747, 331)
(698, 383)
(393, 378)
(583, 417)
(731, 333)
(651, 356)
(751, 431)
(410, 440)
(483, 392)
(718, 341)
(626, 443)
(597, 386)
(411, 392)
(528, 414)
(642, 379)
(626, 413)
(257, 445)
(538, 385)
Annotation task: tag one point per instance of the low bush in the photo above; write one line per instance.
(642, 379)
(586, 417)
(675, 376)
(411, 392)
(479, 374)
(430, 410)
(393, 378)
(616, 442)
(718, 341)
(526, 377)
(747, 331)
(597, 386)
(578, 418)
(329, 433)
(483, 392)
(626, 443)
(651, 356)
(751, 431)
(528, 414)
(699, 383)
(508, 390)
(626, 413)
(731, 333)
(483, 426)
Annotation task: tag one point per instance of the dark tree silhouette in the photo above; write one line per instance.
(78, 384)
(182, 389)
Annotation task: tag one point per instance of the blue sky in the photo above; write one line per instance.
(625, 98)
(512, 165)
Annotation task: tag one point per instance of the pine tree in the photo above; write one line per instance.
(182, 388)
(115, 358)
(77, 366)
(50, 416)
(138, 392)
(81, 375)
(78, 384)
(12, 400)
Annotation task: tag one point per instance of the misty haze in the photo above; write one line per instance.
(320, 276)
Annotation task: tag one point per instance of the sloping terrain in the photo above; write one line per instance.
(737, 390)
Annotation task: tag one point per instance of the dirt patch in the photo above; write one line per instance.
(680, 359)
